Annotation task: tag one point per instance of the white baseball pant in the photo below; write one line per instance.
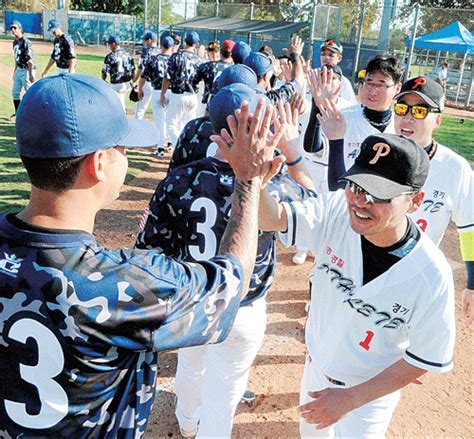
(370, 421)
(181, 109)
(142, 104)
(210, 380)
(60, 70)
(21, 81)
(159, 115)
(122, 90)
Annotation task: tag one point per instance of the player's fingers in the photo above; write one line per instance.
(221, 143)
(226, 136)
(267, 120)
(257, 116)
(232, 123)
(242, 115)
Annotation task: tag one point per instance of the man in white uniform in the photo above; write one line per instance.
(331, 55)
(450, 184)
(382, 306)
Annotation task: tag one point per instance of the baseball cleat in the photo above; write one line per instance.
(160, 152)
(248, 397)
(300, 257)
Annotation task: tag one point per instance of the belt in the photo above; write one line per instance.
(335, 382)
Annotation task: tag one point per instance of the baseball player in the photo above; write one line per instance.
(209, 71)
(450, 184)
(120, 66)
(154, 71)
(64, 54)
(81, 325)
(240, 52)
(382, 302)
(149, 47)
(331, 55)
(188, 215)
(24, 73)
(181, 74)
(195, 143)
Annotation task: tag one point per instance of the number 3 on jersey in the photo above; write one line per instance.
(204, 228)
(53, 399)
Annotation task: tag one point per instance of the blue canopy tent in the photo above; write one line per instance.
(452, 38)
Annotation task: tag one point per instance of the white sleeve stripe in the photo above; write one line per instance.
(429, 363)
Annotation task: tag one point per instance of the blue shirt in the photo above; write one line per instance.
(80, 328)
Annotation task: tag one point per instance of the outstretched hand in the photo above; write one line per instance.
(250, 145)
(332, 120)
(322, 86)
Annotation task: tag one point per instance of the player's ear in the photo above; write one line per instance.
(438, 120)
(416, 201)
(95, 165)
(397, 87)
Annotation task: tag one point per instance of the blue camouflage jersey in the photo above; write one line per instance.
(209, 72)
(144, 54)
(63, 51)
(182, 69)
(189, 212)
(154, 68)
(80, 327)
(23, 51)
(283, 93)
(193, 143)
(120, 65)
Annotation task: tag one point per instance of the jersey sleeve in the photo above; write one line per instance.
(69, 45)
(106, 65)
(463, 208)
(432, 334)
(28, 51)
(284, 93)
(171, 68)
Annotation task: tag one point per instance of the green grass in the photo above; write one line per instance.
(14, 184)
(457, 136)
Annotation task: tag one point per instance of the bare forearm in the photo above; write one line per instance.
(241, 234)
(164, 86)
(48, 66)
(300, 174)
(390, 380)
(138, 75)
(72, 65)
(271, 215)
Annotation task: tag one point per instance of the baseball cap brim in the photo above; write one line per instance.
(331, 48)
(427, 99)
(141, 134)
(375, 184)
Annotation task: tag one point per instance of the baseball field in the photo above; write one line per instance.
(440, 407)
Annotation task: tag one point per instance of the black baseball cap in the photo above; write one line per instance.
(389, 165)
(427, 89)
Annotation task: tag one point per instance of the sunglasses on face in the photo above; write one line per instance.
(370, 199)
(417, 111)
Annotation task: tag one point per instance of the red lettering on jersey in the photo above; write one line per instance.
(422, 224)
(419, 82)
(366, 343)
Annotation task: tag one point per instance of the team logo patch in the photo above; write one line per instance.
(419, 82)
(10, 265)
(381, 150)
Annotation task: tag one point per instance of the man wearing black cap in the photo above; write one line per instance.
(81, 325)
(24, 73)
(120, 65)
(180, 78)
(382, 305)
(450, 184)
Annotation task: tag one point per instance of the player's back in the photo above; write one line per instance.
(73, 360)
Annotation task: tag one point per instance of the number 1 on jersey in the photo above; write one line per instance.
(366, 343)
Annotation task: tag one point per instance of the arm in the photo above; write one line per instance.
(331, 404)
(141, 84)
(48, 66)
(271, 215)
(72, 65)
(296, 49)
(164, 89)
(31, 70)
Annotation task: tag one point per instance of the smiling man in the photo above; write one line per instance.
(450, 184)
(382, 306)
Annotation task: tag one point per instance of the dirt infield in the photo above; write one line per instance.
(441, 407)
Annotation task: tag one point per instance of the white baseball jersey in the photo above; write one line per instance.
(355, 331)
(449, 195)
(357, 129)
(347, 92)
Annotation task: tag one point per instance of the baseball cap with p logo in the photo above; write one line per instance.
(389, 165)
(427, 89)
(67, 116)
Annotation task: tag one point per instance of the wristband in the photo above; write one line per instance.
(294, 57)
(295, 162)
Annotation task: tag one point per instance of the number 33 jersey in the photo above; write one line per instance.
(356, 330)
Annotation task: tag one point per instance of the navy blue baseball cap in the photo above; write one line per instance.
(237, 74)
(259, 63)
(167, 42)
(16, 23)
(150, 36)
(240, 51)
(229, 99)
(192, 38)
(67, 116)
(53, 25)
(114, 39)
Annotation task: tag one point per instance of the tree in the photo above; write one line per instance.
(130, 7)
